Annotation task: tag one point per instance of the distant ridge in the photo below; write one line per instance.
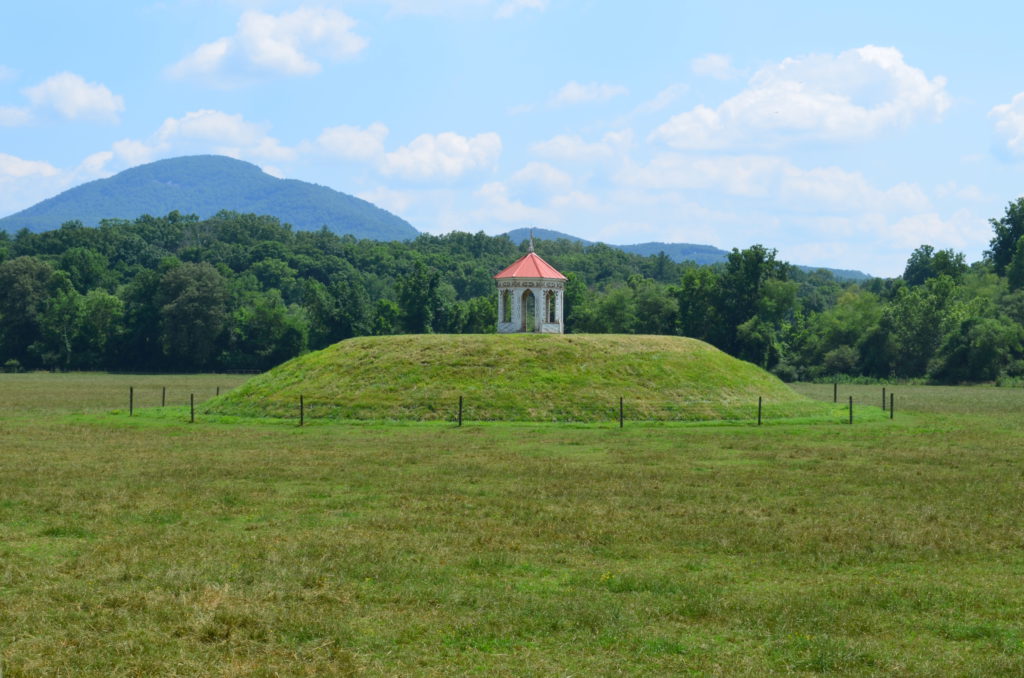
(204, 185)
(703, 255)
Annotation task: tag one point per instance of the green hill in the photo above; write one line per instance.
(676, 251)
(517, 377)
(205, 185)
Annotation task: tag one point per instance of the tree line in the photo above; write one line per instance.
(245, 292)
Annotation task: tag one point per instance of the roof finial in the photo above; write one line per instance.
(531, 239)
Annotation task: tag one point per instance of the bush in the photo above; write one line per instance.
(12, 365)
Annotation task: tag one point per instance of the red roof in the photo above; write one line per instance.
(531, 266)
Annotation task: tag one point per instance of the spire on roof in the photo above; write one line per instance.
(531, 239)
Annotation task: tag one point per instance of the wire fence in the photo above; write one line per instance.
(461, 410)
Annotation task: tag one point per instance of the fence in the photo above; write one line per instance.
(692, 411)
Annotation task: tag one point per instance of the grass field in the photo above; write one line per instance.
(147, 546)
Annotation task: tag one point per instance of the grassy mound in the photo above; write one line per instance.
(519, 377)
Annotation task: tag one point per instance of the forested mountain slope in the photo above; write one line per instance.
(204, 185)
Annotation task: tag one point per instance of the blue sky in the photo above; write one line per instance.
(842, 136)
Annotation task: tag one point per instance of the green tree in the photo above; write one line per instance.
(24, 290)
(193, 314)
(101, 329)
(925, 263)
(919, 316)
(1007, 230)
(696, 297)
(418, 298)
(264, 332)
(60, 323)
(86, 267)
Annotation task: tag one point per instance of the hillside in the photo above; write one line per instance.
(205, 185)
(679, 252)
(518, 377)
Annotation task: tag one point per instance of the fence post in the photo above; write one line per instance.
(851, 409)
(192, 407)
(835, 392)
(302, 411)
(891, 399)
(883, 399)
(131, 400)
(460, 410)
(758, 410)
(218, 390)
(163, 397)
(620, 412)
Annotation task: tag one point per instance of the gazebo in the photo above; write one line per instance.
(530, 296)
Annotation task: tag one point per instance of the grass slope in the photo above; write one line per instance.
(519, 377)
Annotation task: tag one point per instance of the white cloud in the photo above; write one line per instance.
(12, 167)
(393, 201)
(286, 44)
(510, 8)
(12, 116)
(774, 178)
(7, 73)
(1010, 123)
(354, 143)
(849, 96)
(572, 147)
(499, 207)
(952, 189)
(577, 93)
(221, 133)
(543, 175)
(961, 230)
(433, 6)
(446, 155)
(716, 66)
(26, 182)
(576, 200)
(663, 99)
(73, 97)
(132, 152)
(503, 9)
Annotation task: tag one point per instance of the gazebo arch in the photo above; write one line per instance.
(531, 296)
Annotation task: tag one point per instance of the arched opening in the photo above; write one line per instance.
(529, 310)
(550, 307)
(506, 306)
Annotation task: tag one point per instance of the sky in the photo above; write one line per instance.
(840, 134)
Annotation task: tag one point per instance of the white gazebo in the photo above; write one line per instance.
(531, 296)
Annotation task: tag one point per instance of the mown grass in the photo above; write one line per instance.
(149, 546)
(519, 377)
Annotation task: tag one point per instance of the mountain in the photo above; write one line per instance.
(699, 254)
(205, 185)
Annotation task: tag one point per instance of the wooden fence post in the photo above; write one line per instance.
(460, 410)
(131, 400)
(302, 411)
(163, 397)
(891, 399)
(851, 409)
(835, 392)
(883, 399)
(758, 410)
(620, 413)
(192, 407)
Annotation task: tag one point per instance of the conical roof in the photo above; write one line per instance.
(531, 266)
